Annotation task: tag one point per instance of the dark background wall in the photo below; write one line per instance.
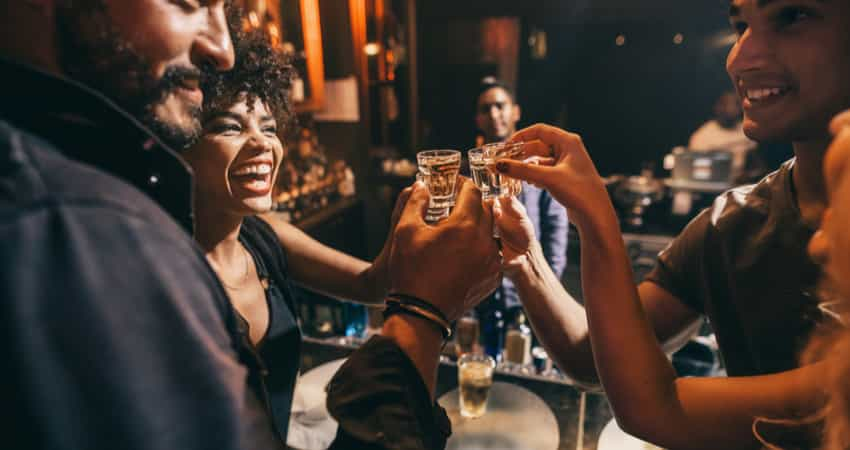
(632, 103)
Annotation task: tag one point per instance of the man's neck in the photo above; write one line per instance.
(808, 179)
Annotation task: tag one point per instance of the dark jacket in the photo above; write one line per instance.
(119, 333)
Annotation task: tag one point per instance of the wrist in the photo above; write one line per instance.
(405, 304)
(420, 340)
(528, 267)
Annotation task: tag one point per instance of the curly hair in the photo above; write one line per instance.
(260, 72)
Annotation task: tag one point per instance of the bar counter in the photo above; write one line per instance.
(581, 416)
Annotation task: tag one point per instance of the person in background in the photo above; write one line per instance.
(119, 333)
(743, 262)
(497, 115)
(725, 132)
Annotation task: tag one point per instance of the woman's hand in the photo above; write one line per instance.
(516, 233)
(564, 168)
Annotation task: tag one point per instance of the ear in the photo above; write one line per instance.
(517, 112)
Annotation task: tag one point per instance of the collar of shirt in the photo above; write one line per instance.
(86, 126)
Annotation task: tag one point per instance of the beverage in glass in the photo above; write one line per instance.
(500, 185)
(480, 174)
(475, 377)
(439, 169)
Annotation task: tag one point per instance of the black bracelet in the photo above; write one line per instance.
(393, 307)
(405, 299)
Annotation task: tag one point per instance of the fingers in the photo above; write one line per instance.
(538, 149)
(532, 173)
(840, 122)
(541, 161)
(468, 203)
(548, 134)
(416, 205)
(400, 202)
(511, 207)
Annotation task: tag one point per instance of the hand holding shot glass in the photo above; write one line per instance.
(439, 170)
(482, 163)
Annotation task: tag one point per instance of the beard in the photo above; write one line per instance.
(93, 52)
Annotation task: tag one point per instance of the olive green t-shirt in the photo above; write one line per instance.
(743, 263)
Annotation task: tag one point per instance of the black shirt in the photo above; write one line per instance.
(118, 334)
(280, 349)
(743, 262)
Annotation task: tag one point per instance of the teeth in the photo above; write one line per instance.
(761, 94)
(259, 169)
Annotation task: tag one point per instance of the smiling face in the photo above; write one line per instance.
(497, 114)
(146, 55)
(236, 159)
(790, 66)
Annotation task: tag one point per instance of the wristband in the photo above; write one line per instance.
(394, 307)
(405, 299)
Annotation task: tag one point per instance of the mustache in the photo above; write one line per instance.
(176, 76)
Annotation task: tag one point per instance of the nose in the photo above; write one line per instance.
(214, 47)
(494, 112)
(750, 52)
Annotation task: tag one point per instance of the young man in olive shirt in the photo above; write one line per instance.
(743, 262)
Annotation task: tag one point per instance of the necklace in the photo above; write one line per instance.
(244, 276)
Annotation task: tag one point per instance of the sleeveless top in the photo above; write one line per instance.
(279, 352)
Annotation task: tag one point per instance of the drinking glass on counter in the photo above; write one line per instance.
(475, 377)
(439, 169)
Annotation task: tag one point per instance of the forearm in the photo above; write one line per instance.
(420, 340)
(620, 333)
(326, 270)
(558, 320)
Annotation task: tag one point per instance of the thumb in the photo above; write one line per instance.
(416, 205)
(532, 173)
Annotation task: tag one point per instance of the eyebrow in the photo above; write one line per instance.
(237, 117)
(735, 10)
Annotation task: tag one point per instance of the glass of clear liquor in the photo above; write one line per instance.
(480, 175)
(439, 169)
(475, 377)
(500, 185)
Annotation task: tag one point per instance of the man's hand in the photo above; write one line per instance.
(379, 273)
(453, 264)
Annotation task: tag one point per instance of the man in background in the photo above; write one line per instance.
(497, 115)
(725, 132)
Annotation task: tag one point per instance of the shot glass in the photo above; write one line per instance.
(500, 185)
(480, 175)
(475, 377)
(439, 169)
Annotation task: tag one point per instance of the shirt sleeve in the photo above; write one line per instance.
(680, 267)
(118, 340)
(381, 402)
(554, 228)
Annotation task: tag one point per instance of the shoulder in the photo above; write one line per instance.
(752, 201)
(35, 175)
